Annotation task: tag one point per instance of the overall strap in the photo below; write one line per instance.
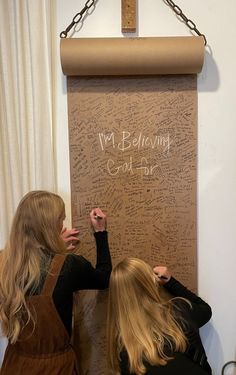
(53, 274)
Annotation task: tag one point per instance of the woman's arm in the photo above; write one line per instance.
(200, 311)
(82, 274)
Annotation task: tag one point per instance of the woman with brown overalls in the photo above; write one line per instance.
(37, 282)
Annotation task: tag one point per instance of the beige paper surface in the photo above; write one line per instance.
(132, 56)
(132, 153)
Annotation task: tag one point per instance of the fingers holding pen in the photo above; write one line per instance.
(162, 274)
(98, 219)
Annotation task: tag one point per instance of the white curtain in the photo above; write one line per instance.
(27, 102)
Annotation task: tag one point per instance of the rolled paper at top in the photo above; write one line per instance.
(132, 56)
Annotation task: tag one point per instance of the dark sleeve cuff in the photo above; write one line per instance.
(101, 234)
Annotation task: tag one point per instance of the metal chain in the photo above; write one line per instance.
(89, 3)
(191, 25)
(77, 18)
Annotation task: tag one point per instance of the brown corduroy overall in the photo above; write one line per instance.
(46, 350)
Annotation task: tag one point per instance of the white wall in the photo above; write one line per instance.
(216, 139)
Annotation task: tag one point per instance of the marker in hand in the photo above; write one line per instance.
(162, 273)
(97, 217)
(163, 277)
(98, 220)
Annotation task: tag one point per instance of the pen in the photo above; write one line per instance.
(97, 217)
(163, 277)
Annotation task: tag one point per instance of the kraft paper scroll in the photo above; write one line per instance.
(132, 153)
(133, 145)
(132, 56)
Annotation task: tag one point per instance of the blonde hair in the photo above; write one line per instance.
(139, 320)
(34, 236)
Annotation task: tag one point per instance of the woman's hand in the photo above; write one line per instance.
(98, 220)
(69, 236)
(162, 274)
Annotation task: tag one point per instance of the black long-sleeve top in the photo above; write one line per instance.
(78, 273)
(187, 363)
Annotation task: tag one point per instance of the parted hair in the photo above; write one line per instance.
(140, 322)
(34, 237)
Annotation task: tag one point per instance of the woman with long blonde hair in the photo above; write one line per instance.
(148, 334)
(37, 281)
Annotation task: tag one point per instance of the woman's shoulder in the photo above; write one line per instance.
(74, 261)
(73, 266)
